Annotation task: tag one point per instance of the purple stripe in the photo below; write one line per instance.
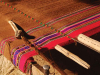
(67, 28)
(79, 23)
(17, 52)
(46, 38)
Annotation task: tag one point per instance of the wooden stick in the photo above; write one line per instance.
(72, 56)
(18, 32)
(13, 26)
(21, 35)
(44, 56)
(89, 42)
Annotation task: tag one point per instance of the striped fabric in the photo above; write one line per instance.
(61, 35)
(47, 41)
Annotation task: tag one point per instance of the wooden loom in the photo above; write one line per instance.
(80, 38)
(89, 42)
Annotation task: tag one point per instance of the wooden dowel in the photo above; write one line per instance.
(72, 56)
(89, 42)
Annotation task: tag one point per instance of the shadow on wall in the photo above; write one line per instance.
(94, 2)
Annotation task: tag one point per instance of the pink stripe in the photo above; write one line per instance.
(61, 19)
(61, 41)
(85, 29)
(21, 55)
(68, 16)
(16, 47)
(76, 13)
(25, 57)
(82, 20)
(81, 24)
(3, 42)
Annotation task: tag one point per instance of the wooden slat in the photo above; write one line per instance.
(89, 42)
(72, 56)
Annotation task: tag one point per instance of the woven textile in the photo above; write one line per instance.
(51, 22)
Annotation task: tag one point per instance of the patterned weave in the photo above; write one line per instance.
(43, 41)
(61, 30)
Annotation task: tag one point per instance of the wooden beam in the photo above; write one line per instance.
(72, 56)
(89, 42)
